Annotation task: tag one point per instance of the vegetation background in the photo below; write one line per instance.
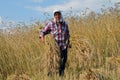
(94, 52)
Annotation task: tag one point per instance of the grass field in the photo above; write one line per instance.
(94, 52)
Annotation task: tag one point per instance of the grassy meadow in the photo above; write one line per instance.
(94, 52)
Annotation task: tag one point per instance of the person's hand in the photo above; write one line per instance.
(42, 39)
(68, 43)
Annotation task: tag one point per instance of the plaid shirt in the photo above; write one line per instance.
(60, 33)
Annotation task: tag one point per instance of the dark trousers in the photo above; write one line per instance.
(59, 67)
(62, 61)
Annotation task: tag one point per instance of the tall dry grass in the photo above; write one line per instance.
(94, 52)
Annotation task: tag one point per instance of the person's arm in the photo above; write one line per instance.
(68, 34)
(45, 31)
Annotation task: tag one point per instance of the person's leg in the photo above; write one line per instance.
(62, 62)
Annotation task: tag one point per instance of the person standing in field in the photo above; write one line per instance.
(59, 30)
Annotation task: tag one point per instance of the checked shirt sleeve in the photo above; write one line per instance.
(67, 32)
(45, 30)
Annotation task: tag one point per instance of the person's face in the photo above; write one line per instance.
(57, 16)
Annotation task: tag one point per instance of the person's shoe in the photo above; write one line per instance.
(61, 73)
(49, 74)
